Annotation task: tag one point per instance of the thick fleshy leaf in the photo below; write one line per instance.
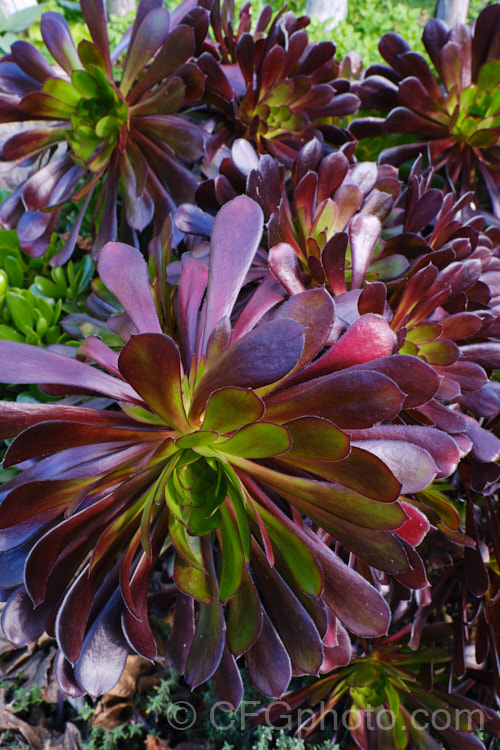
(184, 137)
(228, 688)
(263, 356)
(30, 141)
(267, 661)
(416, 379)
(151, 361)
(411, 465)
(258, 440)
(182, 633)
(368, 338)
(316, 438)
(21, 363)
(94, 13)
(31, 60)
(16, 417)
(416, 527)
(357, 604)
(299, 634)
(349, 399)
(148, 38)
(21, 622)
(244, 619)
(58, 40)
(207, 646)
(440, 446)
(364, 232)
(123, 270)
(231, 408)
(104, 651)
(235, 238)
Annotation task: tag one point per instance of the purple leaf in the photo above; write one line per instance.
(356, 603)
(22, 623)
(415, 378)
(94, 13)
(58, 40)
(21, 363)
(182, 633)
(235, 238)
(192, 287)
(104, 651)
(207, 647)
(31, 61)
(228, 688)
(411, 465)
(284, 265)
(268, 663)
(147, 40)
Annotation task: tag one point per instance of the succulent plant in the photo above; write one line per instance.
(119, 122)
(272, 87)
(210, 465)
(455, 116)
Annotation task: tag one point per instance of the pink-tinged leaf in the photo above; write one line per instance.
(147, 40)
(440, 446)
(267, 661)
(104, 651)
(182, 633)
(207, 647)
(316, 438)
(444, 417)
(364, 233)
(151, 362)
(284, 265)
(58, 40)
(235, 238)
(94, 13)
(415, 529)
(244, 618)
(339, 655)
(16, 417)
(192, 285)
(352, 399)
(21, 363)
(263, 356)
(369, 338)
(415, 577)
(410, 464)
(357, 604)
(416, 379)
(228, 688)
(231, 408)
(266, 296)
(123, 270)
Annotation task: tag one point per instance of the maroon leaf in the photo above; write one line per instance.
(268, 663)
(58, 40)
(207, 647)
(151, 362)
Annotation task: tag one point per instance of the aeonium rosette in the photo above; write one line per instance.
(119, 120)
(210, 466)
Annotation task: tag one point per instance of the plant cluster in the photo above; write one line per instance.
(276, 420)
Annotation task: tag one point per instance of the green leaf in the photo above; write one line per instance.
(62, 90)
(489, 76)
(187, 546)
(228, 409)
(244, 619)
(196, 439)
(296, 554)
(233, 560)
(192, 581)
(20, 310)
(257, 440)
(14, 271)
(9, 334)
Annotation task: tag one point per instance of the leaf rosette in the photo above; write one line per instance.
(217, 451)
(120, 121)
